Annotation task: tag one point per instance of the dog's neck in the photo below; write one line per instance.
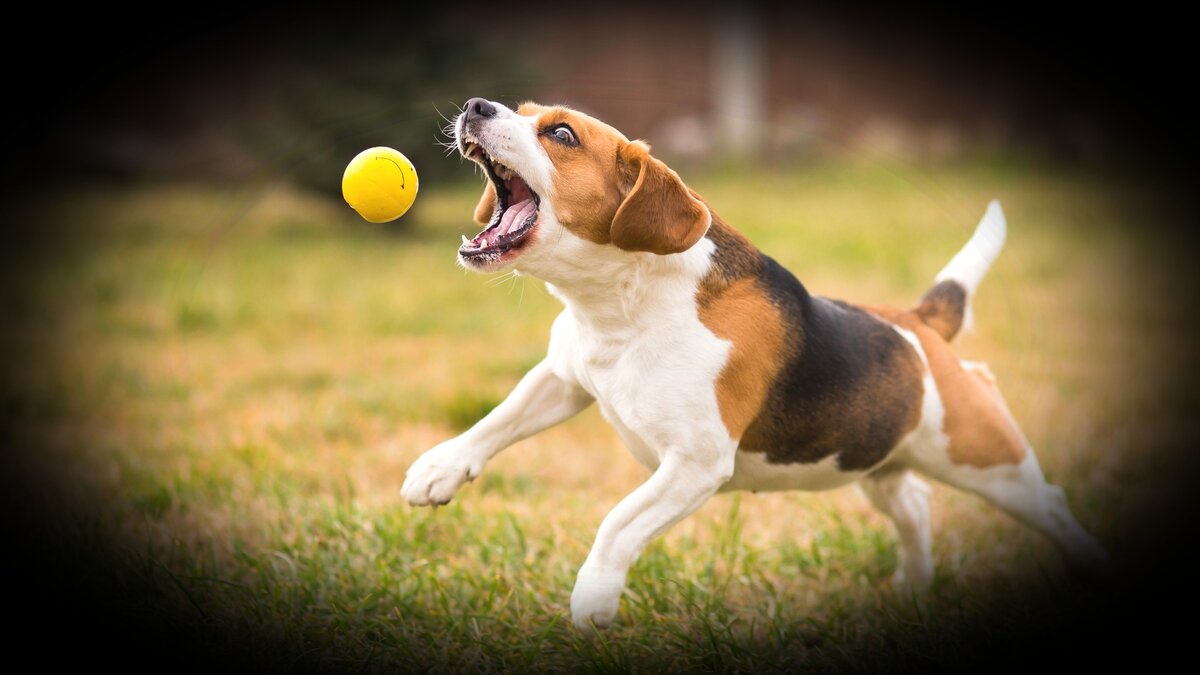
(614, 290)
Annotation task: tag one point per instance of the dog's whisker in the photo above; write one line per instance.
(496, 281)
(449, 121)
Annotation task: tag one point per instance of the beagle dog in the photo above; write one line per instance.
(717, 368)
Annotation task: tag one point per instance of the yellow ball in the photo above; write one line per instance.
(380, 183)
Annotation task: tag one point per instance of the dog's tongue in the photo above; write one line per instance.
(514, 217)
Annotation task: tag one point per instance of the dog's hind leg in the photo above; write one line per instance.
(1021, 491)
(904, 498)
(984, 452)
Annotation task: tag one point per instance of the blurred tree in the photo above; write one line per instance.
(387, 79)
(290, 96)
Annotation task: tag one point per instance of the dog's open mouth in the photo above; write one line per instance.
(513, 220)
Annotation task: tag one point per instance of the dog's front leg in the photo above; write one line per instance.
(540, 400)
(680, 485)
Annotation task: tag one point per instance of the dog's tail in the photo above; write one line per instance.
(946, 307)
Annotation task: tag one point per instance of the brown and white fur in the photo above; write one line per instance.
(716, 367)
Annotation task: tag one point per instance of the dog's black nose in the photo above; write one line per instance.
(479, 107)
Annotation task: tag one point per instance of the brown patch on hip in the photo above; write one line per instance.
(1012, 445)
(744, 315)
(981, 429)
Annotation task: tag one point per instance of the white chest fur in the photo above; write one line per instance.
(636, 344)
(655, 385)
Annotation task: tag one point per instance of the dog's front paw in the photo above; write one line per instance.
(436, 475)
(595, 599)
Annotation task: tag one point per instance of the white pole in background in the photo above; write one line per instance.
(739, 90)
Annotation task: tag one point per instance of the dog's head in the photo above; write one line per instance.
(557, 175)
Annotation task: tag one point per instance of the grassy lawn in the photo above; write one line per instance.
(220, 389)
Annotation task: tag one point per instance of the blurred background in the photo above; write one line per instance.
(242, 95)
(216, 374)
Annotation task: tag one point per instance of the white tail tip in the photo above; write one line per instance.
(969, 265)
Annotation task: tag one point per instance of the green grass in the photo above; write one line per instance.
(225, 387)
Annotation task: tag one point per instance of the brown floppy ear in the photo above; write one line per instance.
(659, 214)
(487, 204)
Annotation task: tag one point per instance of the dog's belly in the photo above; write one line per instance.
(753, 472)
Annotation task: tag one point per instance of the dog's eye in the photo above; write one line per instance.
(563, 134)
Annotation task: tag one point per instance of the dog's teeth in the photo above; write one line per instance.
(465, 240)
